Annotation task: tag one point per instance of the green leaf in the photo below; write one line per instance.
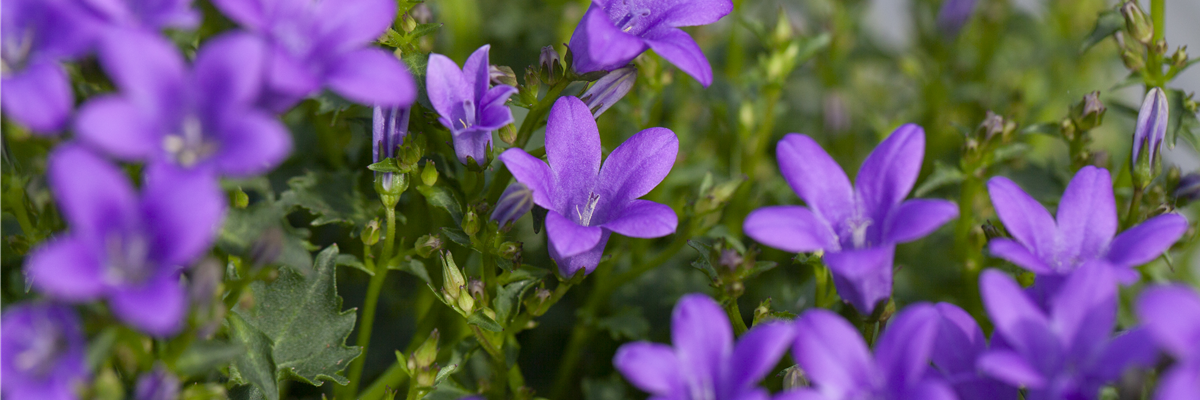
(1009, 152)
(942, 175)
(332, 196)
(626, 324)
(1045, 128)
(1108, 23)
(100, 347)
(759, 267)
(478, 318)
(412, 266)
(302, 316)
(1181, 122)
(247, 392)
(256, 366)
(456, 235)
(387, 165)
(350, 260)
(703, 264)
(442, 198)
(244, 227)
(204, 356)
(508, 299)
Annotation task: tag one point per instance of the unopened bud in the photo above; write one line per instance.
(426, 245)
(502, 75)
(429, 174)
(1180, 58)
(1089, 112)
(470, 223)
(508, 134)
(516, 201)
(730, 259)
(426, 355)
(1188, 188)
(475, 288)
(452, 278)
(203, 281)
(992, 125)
(158, 384)
(1133, 61)
(240, 199)
(550, 65)
(1150, 131)
(389, 128)
(609, 89)
(1137, 23)
(421, 13)
(510, 250)
(370, 233)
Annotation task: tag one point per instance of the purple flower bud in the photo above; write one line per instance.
(609, 89)
(388, 132)
(1189, 187)
(516, 201)
(953, 15)
(41, 352)
(159, 384)
(1151, 126)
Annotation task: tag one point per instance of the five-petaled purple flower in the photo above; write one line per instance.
(587, 202)
(123, 247)
(959, 343)
(1067, 352)
(840, 366)
(614, 32)
(859, 226)
(143, 14)
(1086, 223)
(466, 105)
(1172, 315)
(203, 117)
(41, 352)
(705, 364)
(314, 44)
(38, 35)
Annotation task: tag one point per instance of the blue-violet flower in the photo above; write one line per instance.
(41, 352)
(38, 36)
(466, 104)
(1172, 315)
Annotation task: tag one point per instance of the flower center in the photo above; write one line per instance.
(858, 231)
(45, 347)
(630, 20)
(585, 215)
(466, 117)
(128, 259)
(188, 146)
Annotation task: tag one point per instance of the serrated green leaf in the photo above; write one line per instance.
(508, 299)
(257, 365)
(303, 317)
(478, 318)
(244, 227)
(1107, 23)
(456, 235)
(703, 264)
(332, 196)
(414, 267)
(942, 175)
(442, 198)
(203, 356)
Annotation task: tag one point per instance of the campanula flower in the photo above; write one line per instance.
(198, 118)
(960, 343)
(953, 15)
(124, 247)
(1068, 352)
(41, 352)
(1151, 127)
(38, 36)
(586, 202)
(609, 89)
(149, 15)
(516, 201)
(466, 104)
(1172, 315)
(389, 128)
(704, 363)
(1083, 230)
(858, 227)
(315, 44)
(840, 366)
(158, 384)
(614, 32)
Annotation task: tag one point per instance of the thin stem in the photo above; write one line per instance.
(1158, 15)
(1134, 205)
(371, 302)
(395, 376)
(735, 317)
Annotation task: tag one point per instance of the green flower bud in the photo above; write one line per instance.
(426, 245)
(429, 175)
(1089, 112)
(370, 233)
(1180, 58)
(1140, 27)
(471, 223)
(426, 355)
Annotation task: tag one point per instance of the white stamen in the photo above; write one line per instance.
(585, 216)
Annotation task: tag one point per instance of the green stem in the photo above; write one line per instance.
(371, 302)
(1158, 15)
(395, 376)
(530, 124)
(735, 317)
(19, 208)
(1134, 205)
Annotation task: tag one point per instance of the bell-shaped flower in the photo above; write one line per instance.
(1172, 315)
(124, 247)
(1068, 352)
(198, 118)
(614, 32)
(857, 226)
(1151, 127)
(586, 202)
(705, 363)
(149, 15)
(840, 366)
(41, 352)
(315, 44)
(960, 343)
(388, 130)
(1082, 231)
(38, 36)
(468, 106)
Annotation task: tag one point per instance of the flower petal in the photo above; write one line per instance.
(1022, 216)
(374, 77)
(119, 128)
(228, 70)
(493, 114)
(800, 394)
(862, 277)
(350, 23)
(959, 340)
(1181, 382)
(532, 172)
(92, 193)
(889, 172)
(815, 177)
(474, 143)
(1025, 327)
(902, 351)
(1146, 241)
(678, 13)
(157, 308)
(755, 355)
(1087, 214)
(573, 150)
(702, 337)
(248, 13)
(790, 228)
(253, 143)
(651, 367)
(832, 353)
(183, 209)
(475, 70)
(1009, 367)
(1172, 315)
(930, 389)
(568, 237)
(598, 45)
(915, 219)
(679, 48)
(587, 260)
(1016, 253)
(147, 68)
(38, 97)
(637, 166)
(1084, 309)
(66, 268)
(1132, 348)
(644, 219)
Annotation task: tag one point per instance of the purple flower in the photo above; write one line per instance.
(123, 247)
(202, 118)
(38, 36)
(1067, 352)
(41, 352)
(1172, 315)
(953, 15)
(1086, 223)
(466, 105)
(960, 343)
(314, 44)
(841, 367)
(158, 384)
(858, 227)
(143, 14)
(1151, 127)
(389, 129)
(614, 32)
(587, 202)
(704, 363)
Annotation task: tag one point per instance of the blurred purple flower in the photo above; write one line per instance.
(704, 363)
(389, 128)
(587, 202)
(127, 249)
(202, 118)
(960, 343)
(143, 14)
(953, 15)
(465, 103)
(38, 36)
(158, 384)
(1172, 315)
(1151, 126)
(1067, 352)
(314, 44)
(41, 352)
(614, 32)
(858, 227)
(1086, 223)
(840, 366)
